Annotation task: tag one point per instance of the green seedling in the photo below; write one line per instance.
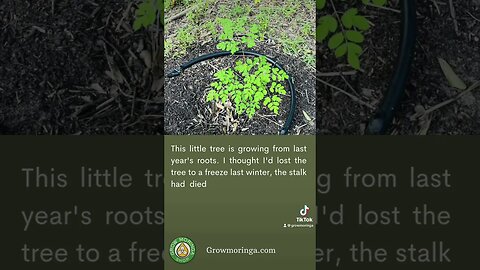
(235, 33)
(249, 86)
(345, 33)
(253, 83)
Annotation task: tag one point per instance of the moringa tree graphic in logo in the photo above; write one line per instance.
(182, 250)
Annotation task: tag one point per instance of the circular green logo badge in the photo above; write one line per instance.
(182, 250)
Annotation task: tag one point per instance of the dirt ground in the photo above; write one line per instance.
(340, 114)
(186, 111)
(77, 67)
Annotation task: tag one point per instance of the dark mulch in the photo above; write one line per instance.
(54, 62)
(339, 114)
(186, 111)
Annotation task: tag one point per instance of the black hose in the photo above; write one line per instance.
(293, 101)
(384, 116)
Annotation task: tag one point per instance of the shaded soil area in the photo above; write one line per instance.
(77, 67)
(187, 112)
(346, 100)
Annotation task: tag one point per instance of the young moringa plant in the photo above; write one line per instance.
(345, 32)
(252, 83)
(229, 42)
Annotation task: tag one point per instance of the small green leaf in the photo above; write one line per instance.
(326, 24)
(335, 41)
(361, 23)
(321, 4)
(354, 36)
(221, 46)
(341, 50)
(354, 51)
(348, 17)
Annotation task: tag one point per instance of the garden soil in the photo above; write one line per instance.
(77, 67)
(187, 112)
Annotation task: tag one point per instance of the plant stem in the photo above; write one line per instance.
(339, 21)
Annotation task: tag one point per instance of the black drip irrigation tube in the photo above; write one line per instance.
(384, 116)
(178, 71)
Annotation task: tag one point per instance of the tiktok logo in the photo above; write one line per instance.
(304, 211)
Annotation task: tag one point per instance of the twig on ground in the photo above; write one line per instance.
(454, 17)
(179, 15)
(124, 16)
(447, 102)
(133, 98)
(436, 6)
(384, 8)
(265, 117)
(348, 84)
(471, 15)
(354, 98)
(334, 74)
